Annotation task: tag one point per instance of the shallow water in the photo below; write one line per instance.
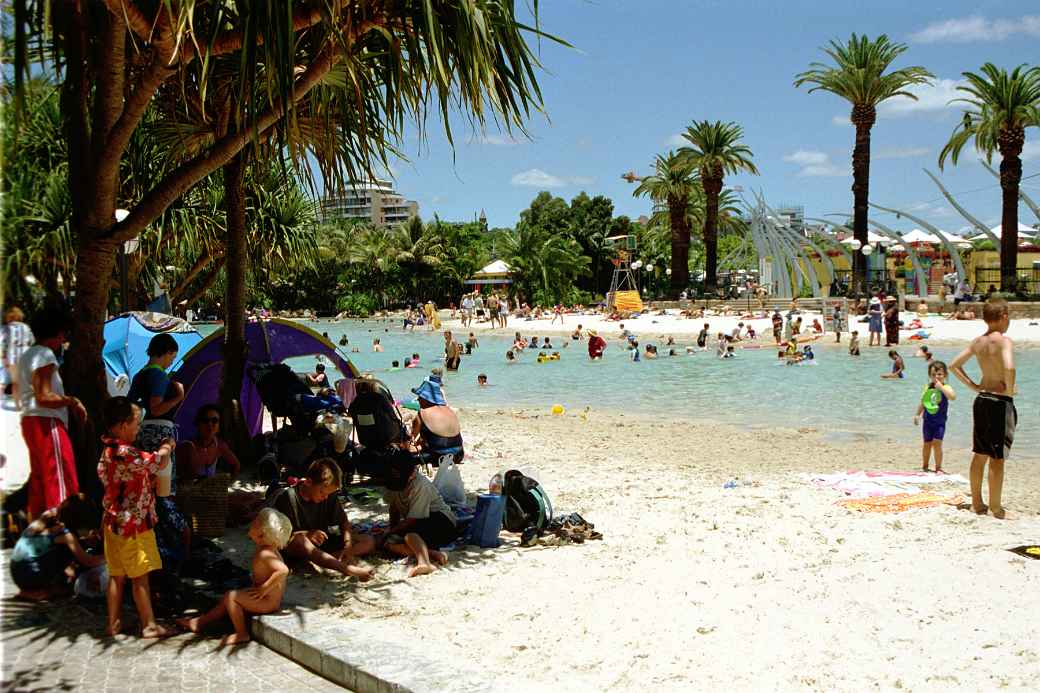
(842, 396)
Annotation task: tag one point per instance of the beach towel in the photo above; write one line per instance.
(1028, 551)
(900, 502)
(861, 484)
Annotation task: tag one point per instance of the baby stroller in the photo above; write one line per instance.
(379, 427)
(315, 425)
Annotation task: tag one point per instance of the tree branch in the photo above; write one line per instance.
(196, 269)
(183, 177)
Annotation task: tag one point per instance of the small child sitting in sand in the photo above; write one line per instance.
(270, 531)
(420, 521)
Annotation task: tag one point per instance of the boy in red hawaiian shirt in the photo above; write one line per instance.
(129, 514)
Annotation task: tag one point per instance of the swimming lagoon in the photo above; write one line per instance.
(841, 396)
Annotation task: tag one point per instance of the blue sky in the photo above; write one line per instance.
(641, 70)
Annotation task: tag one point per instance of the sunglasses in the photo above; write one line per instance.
(211, 419)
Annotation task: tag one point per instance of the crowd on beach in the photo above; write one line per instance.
(134, 528)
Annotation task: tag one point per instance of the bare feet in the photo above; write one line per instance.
(157, 631)
(438, 557)
(191, 624)
(999, 513)
(980, 509)
(939, 470)
(421, 569)
(234, 639)
(114, 628)
(924, 468)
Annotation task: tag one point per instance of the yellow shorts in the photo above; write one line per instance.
(131, 556)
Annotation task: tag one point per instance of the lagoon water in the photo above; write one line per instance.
(841, 396)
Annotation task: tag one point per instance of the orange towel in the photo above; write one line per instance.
(899, 502)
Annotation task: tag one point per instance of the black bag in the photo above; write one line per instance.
(279, 388)
(376, 420)
(527, 505)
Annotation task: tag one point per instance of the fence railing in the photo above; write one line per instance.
(1028, 283)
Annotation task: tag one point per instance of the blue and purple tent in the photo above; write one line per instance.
(267, 341)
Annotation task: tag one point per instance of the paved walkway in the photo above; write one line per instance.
(61, 647)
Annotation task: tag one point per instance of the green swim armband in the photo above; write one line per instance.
(931, 399)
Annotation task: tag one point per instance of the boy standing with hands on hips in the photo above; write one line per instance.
(994, 415)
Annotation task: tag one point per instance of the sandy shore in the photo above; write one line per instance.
(766, 586)
(940, 329)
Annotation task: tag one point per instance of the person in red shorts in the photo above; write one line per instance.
(45, 417)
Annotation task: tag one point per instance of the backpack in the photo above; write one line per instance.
(376, 420)
(527, 505)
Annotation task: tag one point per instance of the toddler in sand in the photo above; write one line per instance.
(994, 416)
(934, 404)
(270, 531)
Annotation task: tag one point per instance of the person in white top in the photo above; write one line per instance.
(15, 339)
(52, 475)
(503, 311)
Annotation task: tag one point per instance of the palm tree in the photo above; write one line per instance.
(716, 150)
(545, 264)
(858, 76)
(1000, 108)
(673, 187)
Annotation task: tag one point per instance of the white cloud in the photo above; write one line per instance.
(1031, 151)
(933, 98)
(497, 140)
(968, 29)
(899, 152)
(537, 178)
(929, 210)
(816, 164)
(676, 141)
(841, 121)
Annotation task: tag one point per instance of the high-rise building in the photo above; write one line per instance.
(794, 215)
(374, 201)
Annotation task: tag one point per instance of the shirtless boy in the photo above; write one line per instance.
(994, 416)
(270, 531)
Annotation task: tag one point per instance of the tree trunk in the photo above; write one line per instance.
(680, 227)
(863, 118)
(1010, 177)
(235, 300)
(712, 190)
(200, 265)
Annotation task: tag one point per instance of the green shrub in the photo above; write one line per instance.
(359, 305)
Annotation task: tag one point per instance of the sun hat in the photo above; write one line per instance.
(431, 392)
(890, 298)
(875, 301)
(592, 333)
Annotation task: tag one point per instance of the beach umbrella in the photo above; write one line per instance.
(918, 236)
(267, 341)
(871, 238)
(997, 231)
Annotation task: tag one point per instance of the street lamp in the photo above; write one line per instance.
(125, 248)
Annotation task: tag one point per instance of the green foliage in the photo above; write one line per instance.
(358, 305)
(858, 73)
(715, 150)
(998, 103)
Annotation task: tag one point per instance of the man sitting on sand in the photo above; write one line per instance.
(313, 508)
(420, 521)
(994, 416)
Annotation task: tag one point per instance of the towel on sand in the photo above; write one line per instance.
(900, 502)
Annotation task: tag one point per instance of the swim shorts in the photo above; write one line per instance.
(933, 429)
(131, 556)
(995, 418)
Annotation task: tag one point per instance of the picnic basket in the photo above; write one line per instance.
(204, 503)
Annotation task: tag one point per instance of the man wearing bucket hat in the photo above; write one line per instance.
(436, 429)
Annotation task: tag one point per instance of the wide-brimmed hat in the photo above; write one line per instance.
(875, 301)
(592, 333)
(431, 392)
(890, 298)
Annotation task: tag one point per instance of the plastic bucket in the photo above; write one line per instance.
(164, 479)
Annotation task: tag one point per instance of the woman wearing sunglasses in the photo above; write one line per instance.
(207, 453)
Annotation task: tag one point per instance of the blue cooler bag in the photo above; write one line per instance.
(487, 521)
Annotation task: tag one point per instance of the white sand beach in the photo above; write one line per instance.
(766, 586)
(940, 329)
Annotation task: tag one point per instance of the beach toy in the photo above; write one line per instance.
(931, 399)
(557, 410)
(412, 404)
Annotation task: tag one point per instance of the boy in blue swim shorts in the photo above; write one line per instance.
(934, 405)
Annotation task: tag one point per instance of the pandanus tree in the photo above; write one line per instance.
(1000, 106)
(715, 151)
(389, 63)
(673, 188)
(860, 74)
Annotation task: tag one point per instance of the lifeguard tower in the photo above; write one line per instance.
(623, 295)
